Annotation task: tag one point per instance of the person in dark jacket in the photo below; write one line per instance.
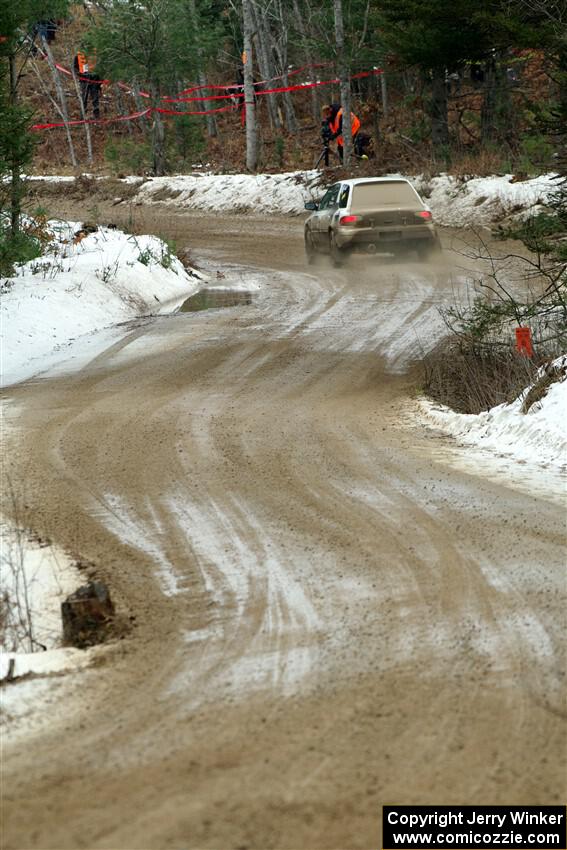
(42, 30)
(90, 82)
(47, 30)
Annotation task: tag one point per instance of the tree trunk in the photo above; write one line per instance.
(315, 101)
(265, 63)
(158, 140)
(280, 47)
(495, 113)
(141, 105)
(83, 116)
(16, 177)
(122, 107)
(62, 99)
(439, 118)
(384, 93)
(210, 119)
(488, 107)
(290, 116)
(249, 104)
(344, 78)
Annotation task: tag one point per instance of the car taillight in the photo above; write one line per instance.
(425, 214)
(348, 219)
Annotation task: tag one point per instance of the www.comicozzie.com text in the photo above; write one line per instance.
(519, 819)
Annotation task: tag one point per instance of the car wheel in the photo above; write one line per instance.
(337, 254)
(310, 252)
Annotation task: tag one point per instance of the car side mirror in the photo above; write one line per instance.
(312, 205)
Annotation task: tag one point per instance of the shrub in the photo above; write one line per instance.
(187, 143)
(536, 153)
(128, 155)
(18, 248)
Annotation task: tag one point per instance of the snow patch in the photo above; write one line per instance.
(81, 287)
(36, 578)
(484, 200)
(143, 533)
(283, 194)
(243, 579)
(537, 436)
(455, 202)
(60, 660)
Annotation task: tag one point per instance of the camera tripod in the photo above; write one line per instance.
(325, 155)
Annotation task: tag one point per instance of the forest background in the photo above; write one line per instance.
(471, 87)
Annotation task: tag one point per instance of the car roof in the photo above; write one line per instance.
(393, 178)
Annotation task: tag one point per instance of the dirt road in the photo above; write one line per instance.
(329, 615)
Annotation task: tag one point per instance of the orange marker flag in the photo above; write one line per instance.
(524, 341)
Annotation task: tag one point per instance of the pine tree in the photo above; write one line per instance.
(16, 140)
(438, 37)
(543, 24)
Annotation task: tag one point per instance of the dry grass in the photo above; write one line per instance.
(479, 162)
(473, 380)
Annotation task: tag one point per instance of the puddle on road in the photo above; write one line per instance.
(211, 299)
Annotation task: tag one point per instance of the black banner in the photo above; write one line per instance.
(463, 827)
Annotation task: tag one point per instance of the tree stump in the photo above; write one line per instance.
(86, 614)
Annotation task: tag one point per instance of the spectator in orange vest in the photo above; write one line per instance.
(90, 82)
(333, 115)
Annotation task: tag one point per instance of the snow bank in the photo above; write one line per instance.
(483, 200)
(537, 436)
(36, 578)
(283, 194)
(62, 660)
(79, 287)
(38, 690)
(454, 202)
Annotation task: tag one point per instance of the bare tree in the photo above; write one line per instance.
(280, 47)
(344, 79)
(16, 177)
(61, 97)
(263, 40)
(83, 115)
(210, 118)
(249, 104)
(384, 94)
(315, 101)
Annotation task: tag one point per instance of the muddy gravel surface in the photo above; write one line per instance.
(322, 613)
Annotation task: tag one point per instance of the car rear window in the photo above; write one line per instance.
(391, 193)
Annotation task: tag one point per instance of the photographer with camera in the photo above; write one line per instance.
(332, 127)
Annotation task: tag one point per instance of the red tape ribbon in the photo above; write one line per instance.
(131, 117)
(164, 111)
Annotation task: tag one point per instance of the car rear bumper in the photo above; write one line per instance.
(385, 238)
